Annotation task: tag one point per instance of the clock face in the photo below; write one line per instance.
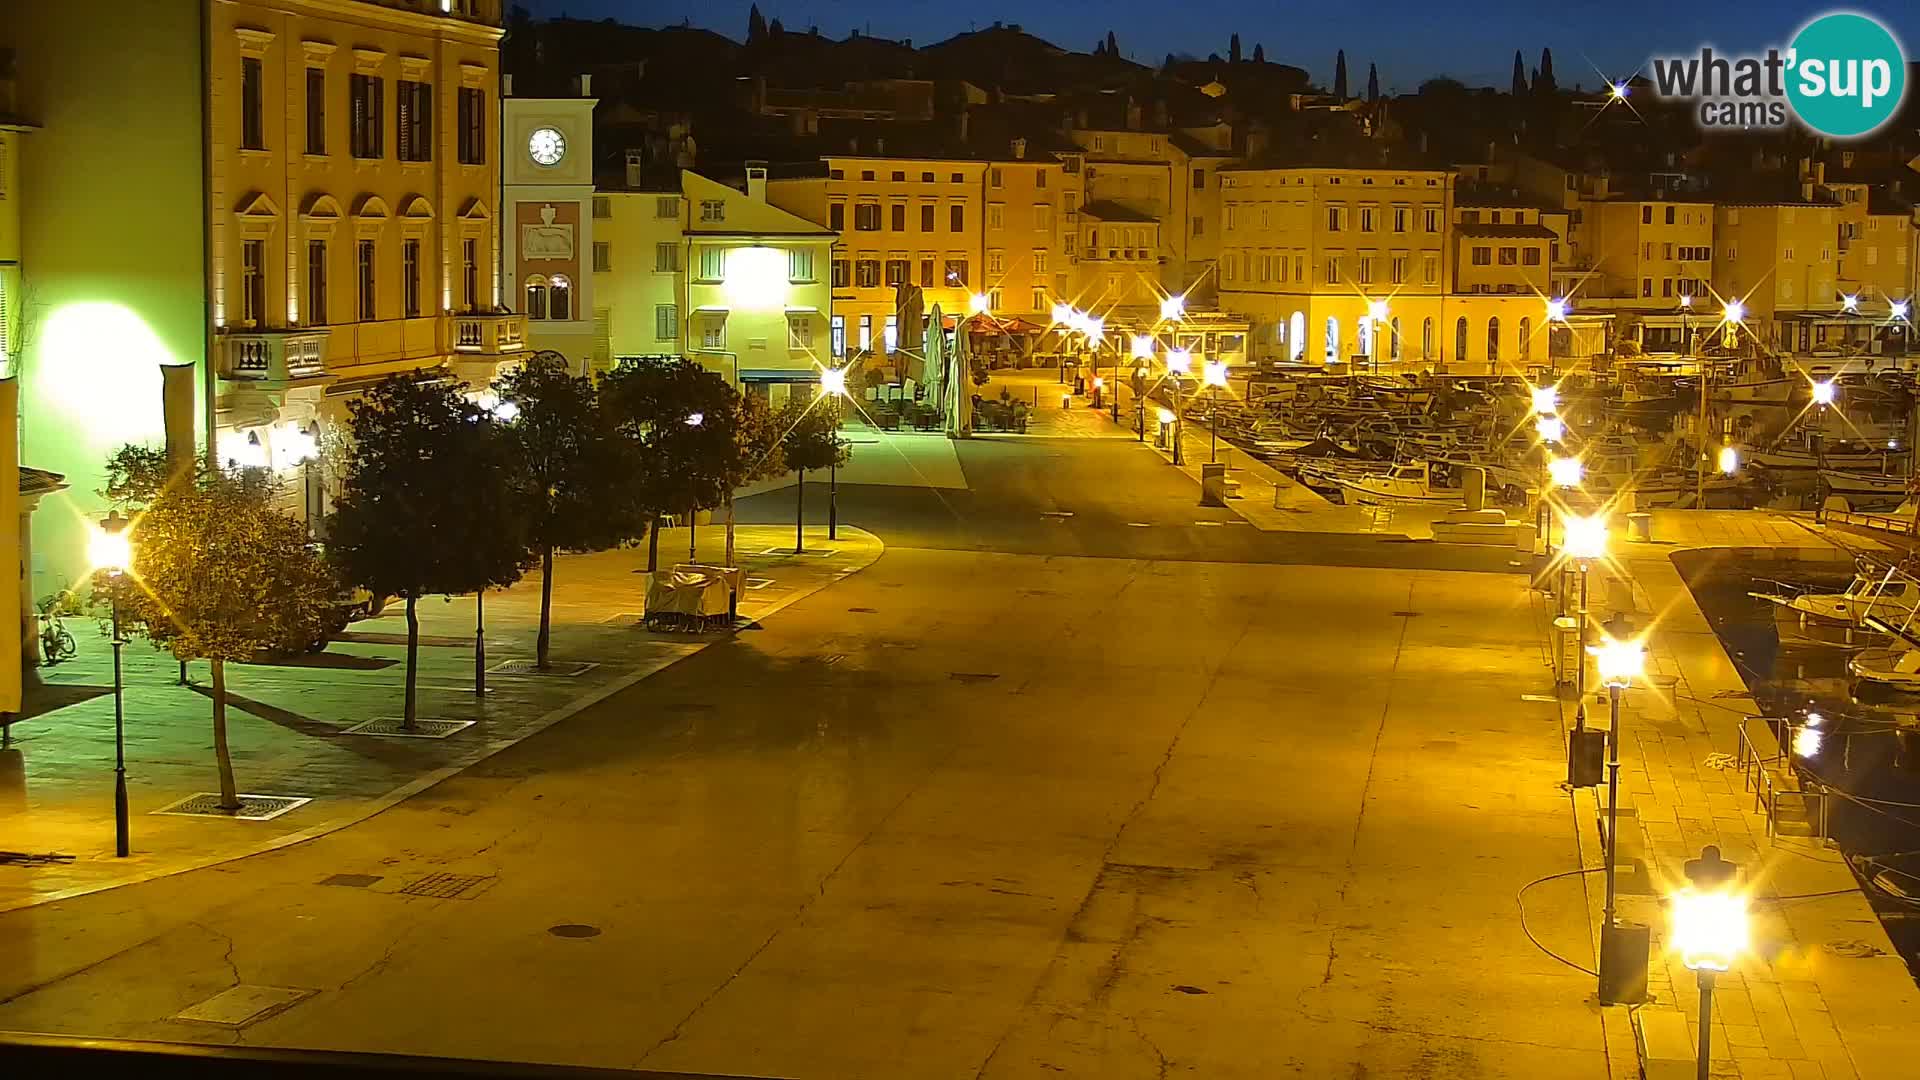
(546, 146)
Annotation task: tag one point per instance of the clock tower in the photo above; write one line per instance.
(546, 212)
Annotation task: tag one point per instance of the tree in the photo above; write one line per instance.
(1259, 53)
(1340, 75)
(1373, 84)
(575, 497)
(1519, 75)
(217, 573)
(810, 439)
(1543, 82)
(430, 504)
(756, 26)
(1233, 48)
(675, 422)
(756, 452)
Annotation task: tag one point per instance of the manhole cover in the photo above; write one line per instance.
(351, 881)
(238, 1006)
(393, 727)
(530, 667)
(972, 676)
(574, 930)
(252, 807)
(449, 886)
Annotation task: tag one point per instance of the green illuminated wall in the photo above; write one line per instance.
(111, 238)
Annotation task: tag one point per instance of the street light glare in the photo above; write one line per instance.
(1823, 392)
(1557, 309)
(1850, 302)
(1686, 301)
(1546, 400)
(1729, 460)
(1620, 662)
(1377, 310)
(1733, 311)
(1179, 361)
(1166, 416)
(1062, 314)
(1586, 537)
(1215, 373)
(1807, 740)
(696, 419)
(1551, 428)
(1618, 91)
(1709, 927)
(1899, 309)
(833, 380)
(977, 303)
(109, 547)
(1173, 308)
(1564, 472)
(1142, 346)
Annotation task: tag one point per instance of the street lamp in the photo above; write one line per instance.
(1551, 429)
(1709, 931)
(1179, 363)
(1546, 400)
(1564, 472)
(978, 304)
(1850, 302)
(1619, 663)
(1173, 308)
(111, 549)
(1557, 310)
(1824, 392)
(1729, 460)
(1584, 539)
(1214, 373)
(833, 383)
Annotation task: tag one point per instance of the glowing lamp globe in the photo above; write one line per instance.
(109, 547)
(1824, 392)
(1142, 347)
(1620, 662)
(1179, 361)
(1551, 428)
(1214, 373)
(1564, 472)
(1546, 400)
(1729, 460)
(1557, 310)
(1733, 311)
(1173, 308)
(1709, 927)
(833, 381)
(1586, 537)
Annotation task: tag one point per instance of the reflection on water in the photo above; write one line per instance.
(1870, 742)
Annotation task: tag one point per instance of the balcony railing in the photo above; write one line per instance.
(489, 334)
(274, 356)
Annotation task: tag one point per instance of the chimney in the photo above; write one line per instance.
(506, 85)
(757, 181)
(880, 146)
(636, 168)
(963, 125)
(586, 85)
(1019, 149)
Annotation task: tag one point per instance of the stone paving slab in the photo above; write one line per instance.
(287, 722)
(1807, 1002)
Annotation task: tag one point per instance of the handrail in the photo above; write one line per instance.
(1757, 777)
(28, 1054)
(1887, 523)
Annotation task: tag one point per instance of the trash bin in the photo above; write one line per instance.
(1640, 527)
(1213, 484)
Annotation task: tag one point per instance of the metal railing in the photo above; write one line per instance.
(1886, 523)
(23, 1054)
(1758, 776)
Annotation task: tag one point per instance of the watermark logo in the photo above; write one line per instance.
(1843, 76)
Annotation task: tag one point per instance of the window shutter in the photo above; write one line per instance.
(404, 112)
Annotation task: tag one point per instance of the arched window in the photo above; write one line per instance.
(1363, 336)
(1526, 339)
(1493, 343)
(1460, 341)
(560, 302)
(1393, 344)
(536, 298)
(1333, 340)
(1297, 330)
(1426, 338)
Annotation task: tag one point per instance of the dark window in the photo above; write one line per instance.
(368, 95)
(837, 217)
(365, 257)
(866, 273)
(410, 276)
(926, 178)
(253, 106)
(957, 218)
(959, 178)
(1199, 179)
(413, 116)
(470, 272)
(1646, 215)
(316, 111)
(1669, 215)
(898, 176)
(896, 271)
(842, 276)
(473, 126)
(957, 273)
(316, 283)
(899, 218)
(926, 217)
(253, 281)
(926, 273)
(866, 217)
(560, 299)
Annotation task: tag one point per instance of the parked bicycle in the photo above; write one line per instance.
(56, 643)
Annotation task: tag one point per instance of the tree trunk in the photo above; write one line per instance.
(546, 607)
(653, 543)
(800, 514)
(229, 794)
(729, 558)
(413, 661)
(692, 520)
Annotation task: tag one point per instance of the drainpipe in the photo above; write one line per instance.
(208, 383)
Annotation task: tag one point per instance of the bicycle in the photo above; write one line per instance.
(56, 643)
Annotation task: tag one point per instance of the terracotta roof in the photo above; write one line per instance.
(40, 481)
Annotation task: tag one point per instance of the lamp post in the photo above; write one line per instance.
(1584, 539)
(1824, 393)
(1709, 930)
(112, 551)
(1215, 374)
(833, 383)
(1179, 363)
(1620, 662)
(1556, 313)
(1376, 324)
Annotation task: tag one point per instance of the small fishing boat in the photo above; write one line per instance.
(1411, 483)
(1853, 484)
(1839, 620)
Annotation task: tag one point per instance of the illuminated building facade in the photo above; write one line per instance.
(315, 208)
(547, 246)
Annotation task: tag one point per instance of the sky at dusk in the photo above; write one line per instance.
(1410, 39)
